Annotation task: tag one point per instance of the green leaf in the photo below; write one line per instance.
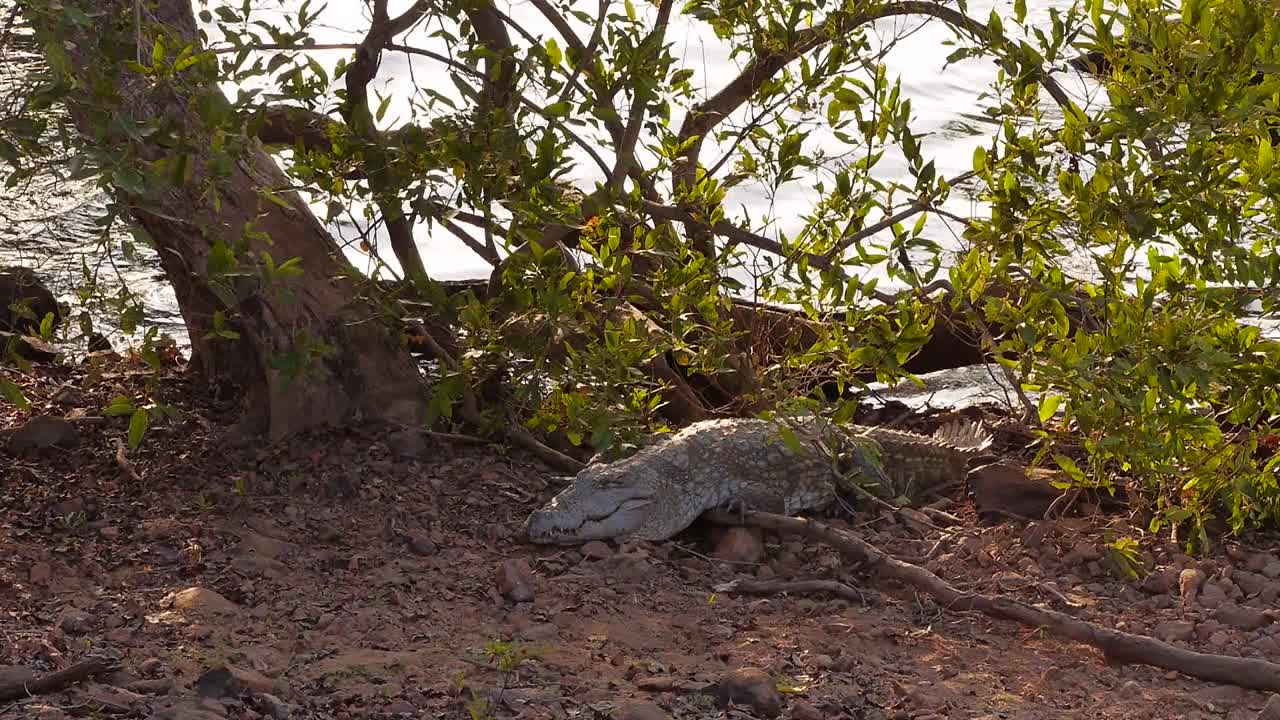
(1048, 406)
(979, 159)
(120, 405)
(1069, 466)
(1266, 155)
(631, 10)
(138, 427)
(11, 392)
(554, 54)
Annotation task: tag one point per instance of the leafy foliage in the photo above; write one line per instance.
(1108, 272)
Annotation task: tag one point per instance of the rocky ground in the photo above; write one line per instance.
(377, 575)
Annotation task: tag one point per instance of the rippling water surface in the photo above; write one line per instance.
(51, 225)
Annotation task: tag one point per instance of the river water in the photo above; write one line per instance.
(50, 225)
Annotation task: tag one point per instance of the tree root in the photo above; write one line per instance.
(1116, 646)
(55, 681)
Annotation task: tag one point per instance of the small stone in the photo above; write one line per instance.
(230, 681)
(1220, 639)
(29, 347)
(44, 431)
(1243, 618)
(740, 545)
(596, 550)
(40, 573)
(1083, 552)
(198, 600)
(75, 622)
(1255, 562)
(1272, 570)
(1004, 489)
(1175, 630)
(1189, 581)
(272, 706)
(151, 666)
(1212, 595)
(515, 580)
(420, 544)
(753, 688)
(407, 443)
(801, 710)
(401, 707)
(643, 711)
(1271, 711)
(1161, 581)
(1250, 583)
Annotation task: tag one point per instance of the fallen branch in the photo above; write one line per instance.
(778, 587)
(1116, 646)
(54, 681)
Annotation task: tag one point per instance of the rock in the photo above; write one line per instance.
(1272, 570)
(44, 431)
(199, 601)
(1189, 581)
(753, 688)
(1220, 639)
(1212, 595)
(515, 580)
(1243, 618)
(272, 706)
(75, 622)
(401, 707)
(596, 550)
(740, 545)
(1250, 583)
(40, 573)
(643, 711)
(230, 681)
(1175, 630)
(421, 544)
(1083, 552)
(1271, 711)
(1033, 535)
(801, 710)
(1161, 581)
(1004, 489)
(1255, 562)
(407, 444)
(29, 347)
(20, 286)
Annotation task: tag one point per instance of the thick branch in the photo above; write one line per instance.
(705, 116)
(1117, 646)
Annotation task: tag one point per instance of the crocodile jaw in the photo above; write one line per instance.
(585, 511)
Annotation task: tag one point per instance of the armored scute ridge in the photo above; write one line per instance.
(750, 463)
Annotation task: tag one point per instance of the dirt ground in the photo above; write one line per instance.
(375, 574)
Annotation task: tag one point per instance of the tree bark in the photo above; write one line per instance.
(310, 351)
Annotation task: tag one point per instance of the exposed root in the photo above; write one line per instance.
(55, 681)
(1116, 646)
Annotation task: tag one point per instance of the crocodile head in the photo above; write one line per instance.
(602, 501)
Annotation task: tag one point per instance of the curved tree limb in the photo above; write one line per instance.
(705, 116)
(1116, 646)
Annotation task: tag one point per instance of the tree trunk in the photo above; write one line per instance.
(310, 351)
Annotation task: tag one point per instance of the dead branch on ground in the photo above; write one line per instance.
(1116, 646)
(83, 670)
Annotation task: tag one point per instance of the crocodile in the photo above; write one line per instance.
(785, 466)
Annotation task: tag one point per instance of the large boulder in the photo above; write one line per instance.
(24, 301)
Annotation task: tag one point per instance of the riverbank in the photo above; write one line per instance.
(377, 574)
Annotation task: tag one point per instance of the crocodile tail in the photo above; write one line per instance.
(963, 434)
